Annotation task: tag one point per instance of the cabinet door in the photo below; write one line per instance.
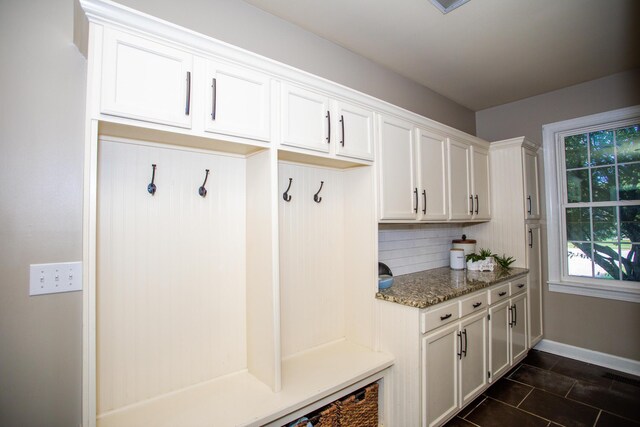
(532, 200)
(534, 265)
(440, 375)
(499, 346)
(353, 131)
(398, 191)
(237, 101)
(473, 364)
(518, 327)
(306, 119)
(459, 163)
(144, 80)
(481, 184)
(431, 169)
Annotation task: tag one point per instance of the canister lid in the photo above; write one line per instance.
(464, 240)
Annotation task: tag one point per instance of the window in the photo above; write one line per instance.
(593, 179)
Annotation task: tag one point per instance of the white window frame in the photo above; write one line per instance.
(558, 280)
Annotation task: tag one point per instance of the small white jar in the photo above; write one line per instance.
(457, 259)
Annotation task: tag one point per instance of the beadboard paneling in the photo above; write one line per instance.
(170, 271)
(311, 258)
(409, 249)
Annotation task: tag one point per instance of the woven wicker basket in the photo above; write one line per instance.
(325, 417)
(360, 409)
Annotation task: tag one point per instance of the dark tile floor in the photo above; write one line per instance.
(546, 390)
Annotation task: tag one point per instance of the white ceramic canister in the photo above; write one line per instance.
(457, 259)
(468, 245)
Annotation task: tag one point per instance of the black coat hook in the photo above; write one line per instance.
(316, 197)
(285, 195)
(151, 188)
(203, 191)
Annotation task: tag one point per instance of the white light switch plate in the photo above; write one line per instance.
(54, 278)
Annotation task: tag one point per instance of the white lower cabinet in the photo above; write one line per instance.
(507, 333)
(454, 366)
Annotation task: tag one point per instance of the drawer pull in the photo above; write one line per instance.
(187, 107)
(501, 294)
(477, 304)
(521, 285)
(445, 317)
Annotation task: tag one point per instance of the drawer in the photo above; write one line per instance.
(476, 302)
(499, 293)
(439, 316)
(519, 285)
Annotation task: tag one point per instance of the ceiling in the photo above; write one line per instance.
(487, 52)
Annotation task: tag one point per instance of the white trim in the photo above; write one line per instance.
(618, 363)
(597, 291)
(552, 172)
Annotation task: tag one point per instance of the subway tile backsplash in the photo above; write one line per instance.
(411, 248)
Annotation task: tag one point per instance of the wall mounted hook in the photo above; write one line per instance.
(151, 188)
(285, 195)
(203, 191)
(316, 197)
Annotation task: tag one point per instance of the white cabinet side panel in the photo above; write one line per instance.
(399, 335)
(170, 271)
(263, 330)
(361, 276)
(311, 258)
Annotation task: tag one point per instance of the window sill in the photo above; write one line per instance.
(615, 292)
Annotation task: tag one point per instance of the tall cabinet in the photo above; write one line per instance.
(515, 228)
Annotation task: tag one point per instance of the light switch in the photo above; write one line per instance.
(54, 278)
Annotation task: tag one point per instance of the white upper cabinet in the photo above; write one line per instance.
(431, 155)
(480, 184)
(532, 199)
(460, 197)
(354, 131)
(398, 194)
(313, 121)
(306, 119)
(237, 101)
(145, 80)
(469, 185)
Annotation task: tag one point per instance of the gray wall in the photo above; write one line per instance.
(598, 324)
(42, 87)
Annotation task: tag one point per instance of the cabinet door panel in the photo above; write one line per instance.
(431, 156)
(395, 166)
(353, 131)
(532, 199)
(535, 283)
(481, 185)
(499, 339)
(145, 80)
(459, 158)
(473, 365)
(519, 329)
(306, 119)
(440, 375)
(237, 101)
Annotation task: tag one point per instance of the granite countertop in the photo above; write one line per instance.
(430, 287)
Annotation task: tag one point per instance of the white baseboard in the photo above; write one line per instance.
(595, 357)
